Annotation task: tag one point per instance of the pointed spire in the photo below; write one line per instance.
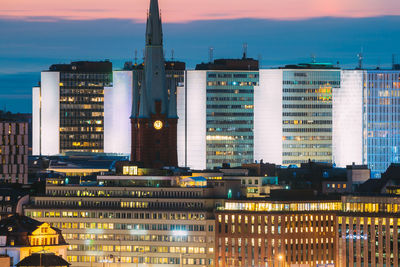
(154, 28)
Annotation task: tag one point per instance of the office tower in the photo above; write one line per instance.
(68, 108)
(117, 111)
(293, 114)
(347, 136)
(133, 220)
(154, 113)
(381, 120)
(216, 114)
(13, 152)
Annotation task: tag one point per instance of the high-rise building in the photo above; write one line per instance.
(13, 152)
(215, 108)
(293, 114)
(68, 108)
(381, 119)
(154, 113)
(347, 105)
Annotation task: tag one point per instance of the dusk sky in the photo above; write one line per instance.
(184, 10)
(36, 34)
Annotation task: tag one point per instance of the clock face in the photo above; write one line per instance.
(158, 125)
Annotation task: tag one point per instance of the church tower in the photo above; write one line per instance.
(154, 116)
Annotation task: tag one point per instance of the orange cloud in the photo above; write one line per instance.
(188, 10)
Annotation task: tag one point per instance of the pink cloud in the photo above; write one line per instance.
(188, 10)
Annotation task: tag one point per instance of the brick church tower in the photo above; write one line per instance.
(154, 117)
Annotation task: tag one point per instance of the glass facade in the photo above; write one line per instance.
(307, 115)
(230, 117)
(82, 111)
(381, 119)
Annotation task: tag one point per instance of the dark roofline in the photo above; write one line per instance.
(83, 67)
(328, 66)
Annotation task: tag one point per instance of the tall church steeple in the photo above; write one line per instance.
(154, 66)
(154, 120)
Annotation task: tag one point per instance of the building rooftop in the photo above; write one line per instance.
(43, 259)
(311, 66)
(83, 66)
(7, 116)
(169, 65)
(230, 64)
(19, 227)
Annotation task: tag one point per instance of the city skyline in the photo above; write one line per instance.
(23, 54)
(253, 133)
(34, 36)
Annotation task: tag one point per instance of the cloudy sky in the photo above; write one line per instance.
(36, 34)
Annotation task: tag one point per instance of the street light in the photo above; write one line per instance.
(280, 258)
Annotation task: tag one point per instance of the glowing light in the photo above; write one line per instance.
(179, 233)
(219, 137)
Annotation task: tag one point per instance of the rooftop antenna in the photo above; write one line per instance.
(245, 50)
(360, 59)
(313, 58)
(172, 54)
(136, 57)
(211, 54)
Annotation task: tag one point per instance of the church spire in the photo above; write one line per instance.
(154, 29)
(154, 69)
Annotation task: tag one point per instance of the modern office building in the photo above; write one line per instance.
(381, 119)
(216, 114)
(142, 220)
(293, 114)
(347, 119)
(68, 108)
(13, 152)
